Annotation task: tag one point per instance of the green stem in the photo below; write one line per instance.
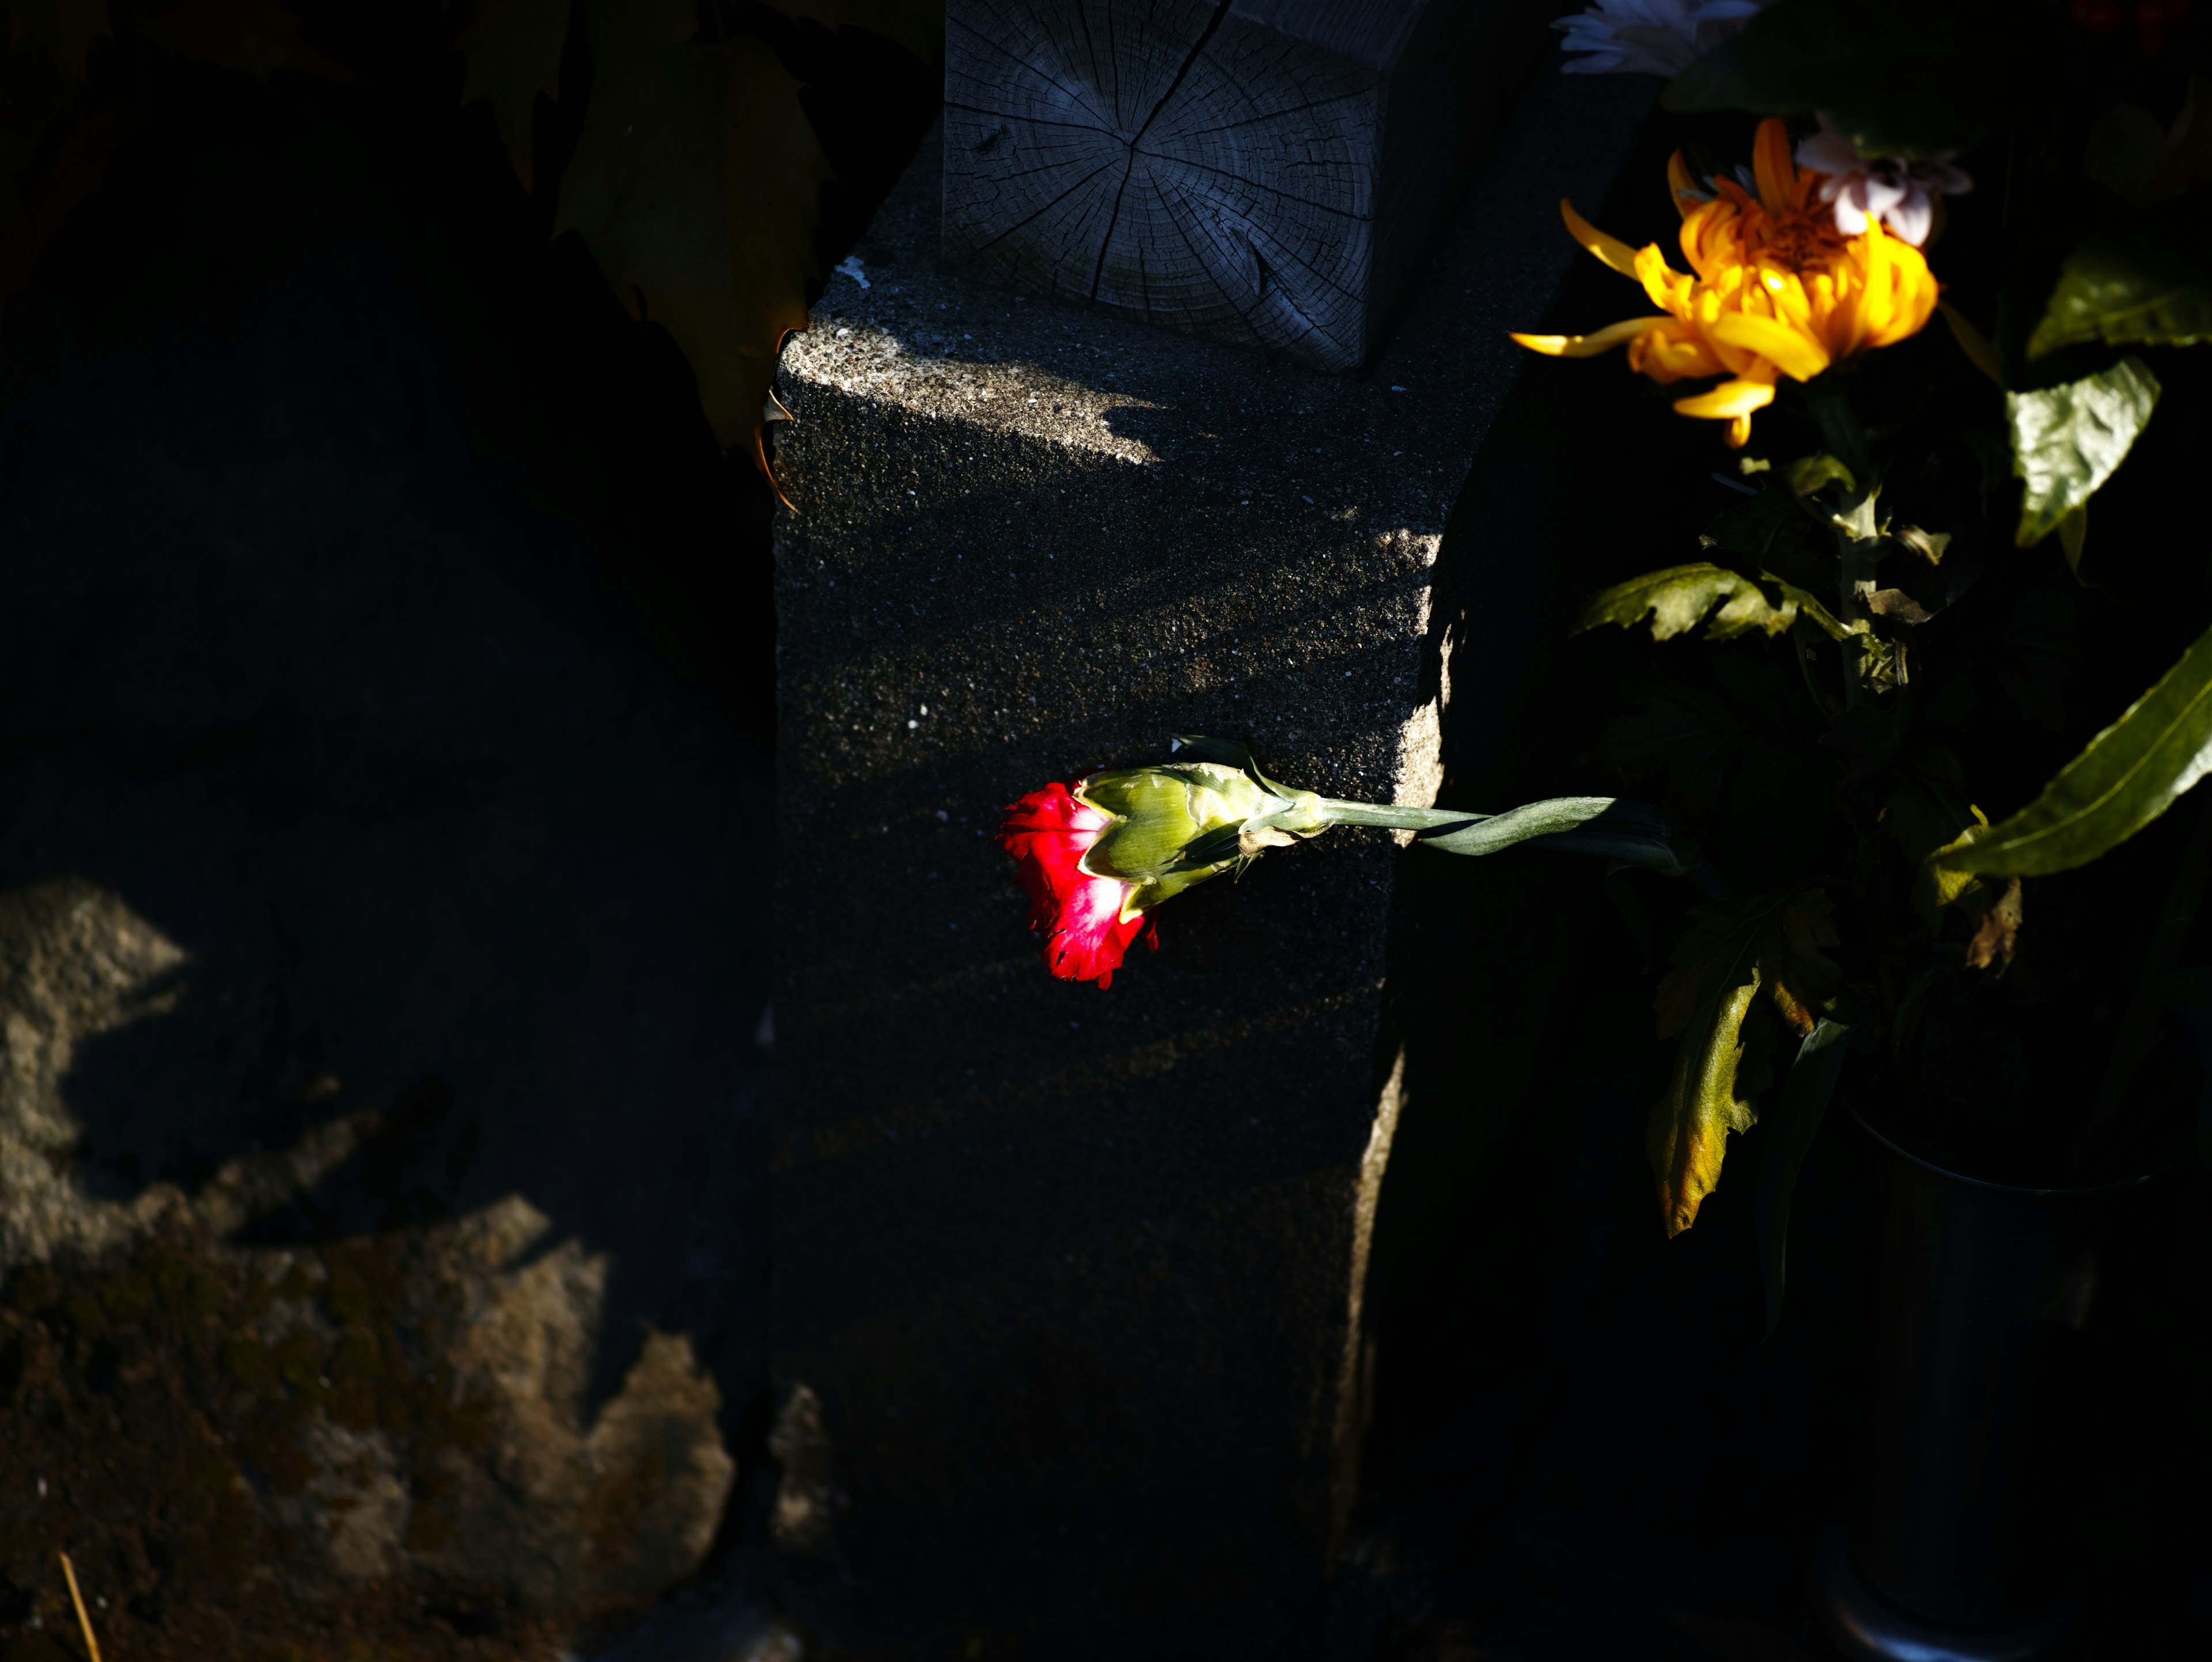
(1854, 561)
(1390, 816)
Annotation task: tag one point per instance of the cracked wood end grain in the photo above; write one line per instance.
(1259, 170)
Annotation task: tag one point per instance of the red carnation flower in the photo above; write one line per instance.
(1048, 832)
(1098, 855)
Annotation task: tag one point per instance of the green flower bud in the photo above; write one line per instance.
(1179, 824)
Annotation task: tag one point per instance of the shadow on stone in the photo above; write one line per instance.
(382, 926)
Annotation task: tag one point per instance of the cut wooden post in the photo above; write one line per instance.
(1268, 172)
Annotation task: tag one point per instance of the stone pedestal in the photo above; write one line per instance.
(1068, 1282)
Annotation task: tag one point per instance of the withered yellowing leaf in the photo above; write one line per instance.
(696, 184)
(1730, 952)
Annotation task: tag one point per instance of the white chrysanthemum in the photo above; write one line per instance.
(1650, 37)
(1899, 192)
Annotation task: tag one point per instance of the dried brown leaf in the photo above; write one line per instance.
(1998, 938)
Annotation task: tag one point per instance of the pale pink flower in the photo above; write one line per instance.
(1894, 189)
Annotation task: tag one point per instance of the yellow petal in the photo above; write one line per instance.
(1673, 353)
(1588, 346)
(1730, 399)
(1610, 249)
(1667, 287)
(1688, 199)
(1771, 167)
(1795, 353)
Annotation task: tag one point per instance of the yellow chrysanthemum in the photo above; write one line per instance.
(1778, 291)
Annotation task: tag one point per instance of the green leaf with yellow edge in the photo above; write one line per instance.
(917, 25)
(513, 52)
(1730, 952)
(2124, 778)
(2145, 283)
(1678, 598)
(2068, 440)
(697, 183)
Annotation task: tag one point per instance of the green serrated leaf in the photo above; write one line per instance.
(1678, 599)
(697, 183)
(1896, 76)
(2068, 440)
(1729, 952)
(513, 52)
(1809, 607)
(1754, 526)
(2124, 778)
(1809, 474)
(2145, 283)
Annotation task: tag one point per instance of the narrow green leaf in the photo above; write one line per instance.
(1487, 833)
(2068, 440)
(2147, 282)
(1796, 1117)
(1678, 599)
(2125, 778)
(1627, 834)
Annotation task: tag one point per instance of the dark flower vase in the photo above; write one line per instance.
(1963, 1544)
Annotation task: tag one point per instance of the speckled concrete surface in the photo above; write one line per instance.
(1075, 1274)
